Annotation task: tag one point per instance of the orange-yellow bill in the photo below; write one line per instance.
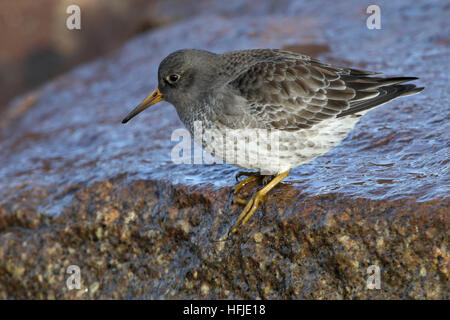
(154, 97)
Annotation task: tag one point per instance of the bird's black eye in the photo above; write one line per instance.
(173, 78)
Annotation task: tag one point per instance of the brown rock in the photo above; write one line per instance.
(79, 188)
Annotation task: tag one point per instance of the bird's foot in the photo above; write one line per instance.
(244, 182)
(265, 181)
(252, 205)
(250, 208)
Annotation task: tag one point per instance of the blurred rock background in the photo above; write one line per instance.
(37, 46)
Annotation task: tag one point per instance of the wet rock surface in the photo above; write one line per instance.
(79, 188)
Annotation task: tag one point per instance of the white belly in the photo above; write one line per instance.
(275, 151)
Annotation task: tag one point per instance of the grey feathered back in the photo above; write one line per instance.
(289, 91)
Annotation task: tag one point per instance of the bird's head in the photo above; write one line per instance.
(183, 77)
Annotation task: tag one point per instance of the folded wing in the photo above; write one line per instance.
(292, 92)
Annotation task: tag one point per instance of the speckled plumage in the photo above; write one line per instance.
(311, 105)
(267, 110)
(233, 103)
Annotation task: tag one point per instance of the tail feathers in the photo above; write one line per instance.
(373, 92)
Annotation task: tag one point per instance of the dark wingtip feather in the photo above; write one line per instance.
(397, 80)
(387, 93)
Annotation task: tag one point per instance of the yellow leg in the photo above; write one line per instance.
(244, 182)
(252, 204)
(239, 201)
